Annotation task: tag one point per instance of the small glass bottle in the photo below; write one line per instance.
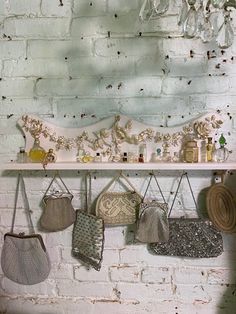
(143, 151)
(140, 159)
(22, 156)
(175, 158)
(221, 154)
(37, 153)
(209, 149)
(125, 157)
(97, 158)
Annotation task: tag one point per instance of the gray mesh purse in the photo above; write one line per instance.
(190, 237)
(24, 258)
(58, 212)
(88, 234)
(152, 223)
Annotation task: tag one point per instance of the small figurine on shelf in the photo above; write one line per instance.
(50, 156)
(22, 156)
(37, 153)
(221, 154)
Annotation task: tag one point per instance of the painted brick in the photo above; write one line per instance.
(221, 276)
(74, 87)
(123, 273)
(84, 289)
(37, 27)
(141, 46)
(122, 6)
(81, 273)
(188, 275)
(12, 49)
(24, 7)
(19, 106)
(59, 49)
(158, 275)
(133, 86)
(53, 8)
(186, 66)
(89, 8)
(144, 292)
(61, 271)
(36, 68)
(17, 87)
(46, 288)
(101, 25)
(102, 67)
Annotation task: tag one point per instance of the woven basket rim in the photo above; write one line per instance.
(221, 207)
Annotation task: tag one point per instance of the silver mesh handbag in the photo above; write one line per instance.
(24, 258)
(58, 212)
(190, 237)
(88, 233)
(152, 223)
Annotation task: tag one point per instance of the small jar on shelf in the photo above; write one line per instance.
(22, 156)
(191, 150)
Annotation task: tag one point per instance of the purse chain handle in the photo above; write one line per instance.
(117, 177)
(152, 175)
(177, 190)
(27, 207)
(53, 179)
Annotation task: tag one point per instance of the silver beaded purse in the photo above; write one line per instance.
(190, 237)
(88, 234)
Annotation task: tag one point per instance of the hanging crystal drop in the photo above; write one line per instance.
(145, 11)
(190, 24)
(218, 3)
(159, 7)
(207, 32)
(225, 35)
(200, 18)
(183, 13)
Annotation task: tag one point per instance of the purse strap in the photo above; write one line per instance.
(120, 175)
(27, 208)
(56, 175)
(88, 192)
(191, 190)
(152, 175)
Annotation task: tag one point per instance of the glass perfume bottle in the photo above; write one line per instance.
(37, 153)
(143, 151)
(221, 154)
(209, 149)
(22, 156)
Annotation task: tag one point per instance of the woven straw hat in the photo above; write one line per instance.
(221, 207)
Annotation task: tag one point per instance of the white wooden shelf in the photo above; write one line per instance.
(120, 166)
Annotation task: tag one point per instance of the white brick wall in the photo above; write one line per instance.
(64, 58)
